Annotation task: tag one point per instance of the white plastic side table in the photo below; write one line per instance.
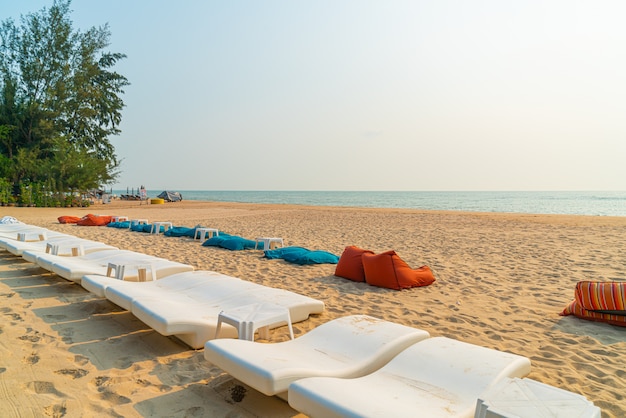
(156, 227)
(29, 236)
(120, 271)
(55, 249)
(527, 398)
(134, 222)
(250, 318)
(268, 243)
(204, 232)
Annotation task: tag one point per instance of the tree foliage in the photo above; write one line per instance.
(60, 101)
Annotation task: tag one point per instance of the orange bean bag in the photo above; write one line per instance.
(599, 301)
(68, 219)
(389, 270)
(350, 265)
(94, 220)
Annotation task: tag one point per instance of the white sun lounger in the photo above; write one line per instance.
(74, 268)
(122, 293)
(437, 377)
(10, 234)
(347, 347)
(188, 304)
(65, 243)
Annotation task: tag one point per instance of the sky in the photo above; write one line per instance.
(366, 95)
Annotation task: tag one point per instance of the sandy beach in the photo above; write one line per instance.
(502, 280)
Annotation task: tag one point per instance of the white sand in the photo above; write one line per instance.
(501, 282)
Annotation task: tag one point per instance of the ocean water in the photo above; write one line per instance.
(572, 203)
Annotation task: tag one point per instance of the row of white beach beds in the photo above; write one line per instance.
(354, 366)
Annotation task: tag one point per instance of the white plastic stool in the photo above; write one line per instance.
(268, 243)
(247, 319)
(54, 249)
(203, 232)
(119, 218)
(120, 270)
(527, 398)
(134, 222)
(156, 227)
(24, 236)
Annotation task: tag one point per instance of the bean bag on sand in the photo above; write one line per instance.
(94, 220)
(389, 270)
(599, 301)
(350, 265)
(68, 219)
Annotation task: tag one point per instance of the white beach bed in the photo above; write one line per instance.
(188, 304)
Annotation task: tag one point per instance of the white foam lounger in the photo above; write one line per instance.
(187, 305)
(65, 245)
(347, 347)
(437, 377)
(10, 234)
(74, 268)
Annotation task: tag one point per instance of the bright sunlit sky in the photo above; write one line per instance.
(367, 95)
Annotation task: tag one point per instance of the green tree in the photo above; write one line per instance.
(60, 101)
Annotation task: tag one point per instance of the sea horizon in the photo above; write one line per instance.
(590, 203)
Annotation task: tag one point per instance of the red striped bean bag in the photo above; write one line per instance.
(599, 301)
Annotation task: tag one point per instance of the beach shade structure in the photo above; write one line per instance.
(436, 377)
(169, 196)
(188, 305)
(599, 301)
(347, 347)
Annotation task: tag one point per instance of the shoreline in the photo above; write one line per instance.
(502, 279)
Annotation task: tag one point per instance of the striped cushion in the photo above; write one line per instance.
(575, 309)
(599, 301)
(601, 296)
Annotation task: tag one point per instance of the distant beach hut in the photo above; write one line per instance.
(170, 196)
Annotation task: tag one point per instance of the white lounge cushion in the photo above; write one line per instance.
(190, 310)
(33, 233)
(122, 293)
(74, 268)
(437, 377)
(29, 250)
(351, 346)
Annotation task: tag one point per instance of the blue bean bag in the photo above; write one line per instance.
(230, 242)
(124, 224)
(180, 231)
(302, 256)
(281, 252)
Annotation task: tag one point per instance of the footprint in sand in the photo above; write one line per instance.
(237, 393)
(32, 359)
(32, 338)
(57, 317)
(13, 315)
(3, 369)
(102, 383)
(40, 387)
(74, 373)
(123, 363)
(55, 411)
